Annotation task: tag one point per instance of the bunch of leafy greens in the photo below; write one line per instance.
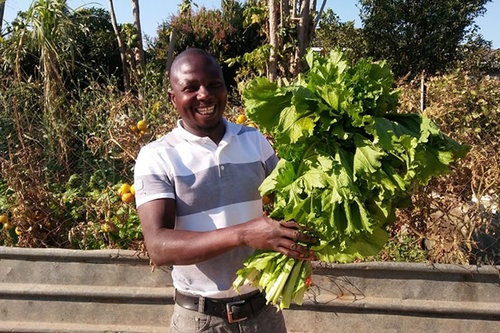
(348, 160)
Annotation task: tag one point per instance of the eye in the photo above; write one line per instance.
(190, 88)
(215, 85)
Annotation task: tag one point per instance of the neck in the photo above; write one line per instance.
(217, 133)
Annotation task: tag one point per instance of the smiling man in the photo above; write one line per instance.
(199, 94)
(200, 208)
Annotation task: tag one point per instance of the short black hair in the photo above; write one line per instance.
(191, 51)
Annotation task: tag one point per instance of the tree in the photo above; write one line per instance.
(121, 46)
(184, 9)
(477, 57)
(418, 35)
(97, 55)
(2, 9)
(90, 53)
(273, 39)
(50, 30)
(289, 39)
(344, 35)
(221, 32)
(301, 17)
(137, 25)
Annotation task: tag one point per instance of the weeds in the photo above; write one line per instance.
(52, 203)
(76, 205)
(456, 216)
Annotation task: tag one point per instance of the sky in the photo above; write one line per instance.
(154, 12)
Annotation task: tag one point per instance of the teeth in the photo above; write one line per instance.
(206, 111)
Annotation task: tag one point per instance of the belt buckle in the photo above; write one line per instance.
(230, 313)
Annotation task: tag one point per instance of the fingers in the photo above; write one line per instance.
(286, 237)
(293, 231)
(290, 224)
(297, 251)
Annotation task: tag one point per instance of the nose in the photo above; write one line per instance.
(203, 93)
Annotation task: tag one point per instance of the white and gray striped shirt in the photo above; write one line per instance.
(214, 186)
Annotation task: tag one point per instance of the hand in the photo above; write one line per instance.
(281, 236)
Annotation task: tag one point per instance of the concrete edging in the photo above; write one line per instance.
(60, 290)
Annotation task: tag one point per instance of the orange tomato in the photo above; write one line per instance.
(141, 125)
(241, 119)
(127, 197)
(125, 188)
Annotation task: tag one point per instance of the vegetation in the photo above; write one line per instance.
(348, 160)
(456, 216)
(418, 35)
(70, 130)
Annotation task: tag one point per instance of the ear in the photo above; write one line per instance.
(171, 98)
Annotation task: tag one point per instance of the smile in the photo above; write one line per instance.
(206, 111)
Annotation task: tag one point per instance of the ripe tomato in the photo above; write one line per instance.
(241, 119)
(141, 125)
(125, 188)
(132, 189)
(127, 197)
(309, 281)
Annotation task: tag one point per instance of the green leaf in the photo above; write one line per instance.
(264, 102)
(367, 157)
(282, 176)
(347, 162)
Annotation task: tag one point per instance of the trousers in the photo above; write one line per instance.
(268, 320)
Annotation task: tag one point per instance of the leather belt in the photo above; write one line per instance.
(235, 309)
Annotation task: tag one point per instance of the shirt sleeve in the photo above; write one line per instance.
(269, 157)
(151, 180)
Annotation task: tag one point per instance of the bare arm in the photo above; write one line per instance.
(167, 246)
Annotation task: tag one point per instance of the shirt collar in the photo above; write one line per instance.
(231, 130)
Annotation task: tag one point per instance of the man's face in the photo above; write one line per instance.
(199, 94)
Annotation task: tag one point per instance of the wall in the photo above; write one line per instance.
(57, 290)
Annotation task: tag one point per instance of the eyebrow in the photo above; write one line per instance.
(184, 82)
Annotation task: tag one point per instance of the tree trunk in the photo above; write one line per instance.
(318, 15)
(304, 21)
(121, 46)
(273, 39)
(2, 10)
(302, 16)
(284, 12)
(305, 30)
(170, 53)
(137, 25)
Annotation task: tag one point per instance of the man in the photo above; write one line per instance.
(200, 209)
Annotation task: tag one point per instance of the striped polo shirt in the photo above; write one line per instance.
(214, 186)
